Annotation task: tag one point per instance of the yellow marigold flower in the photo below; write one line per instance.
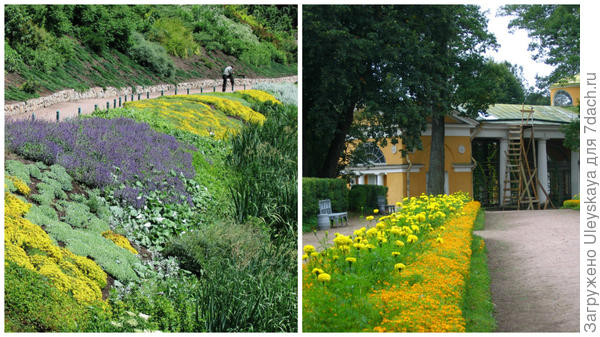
(324, 277)
(412, 239)
(380, 225)
(342, 240)
(369, 218)
(335, 257)
(370, 246)
(395, 254)
(305, 256)
(439, 240)
(360, 232)
(350, 260)
(314, 254)
(359, 246)
(398, 203)
(309, 249)
(317, 271)
(399, 267)
(415, 228)
(372, 231)
(399, 243)
(442, 228)
(375, 211)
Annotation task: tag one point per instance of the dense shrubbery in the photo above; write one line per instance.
(152, 55)
(50, 43)
(315, 189)
(364, 197)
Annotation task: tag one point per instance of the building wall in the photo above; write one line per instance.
(457, 181)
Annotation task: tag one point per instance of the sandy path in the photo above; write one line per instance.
(69, 109)
(533, 258)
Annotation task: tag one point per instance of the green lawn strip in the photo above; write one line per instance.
(478, 307)
(479, 223)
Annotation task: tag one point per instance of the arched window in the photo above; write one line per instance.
(368, 153)
(562, 98)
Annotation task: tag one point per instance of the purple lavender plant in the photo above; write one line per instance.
(108, 152)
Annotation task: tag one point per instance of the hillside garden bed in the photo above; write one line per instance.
(144, 219)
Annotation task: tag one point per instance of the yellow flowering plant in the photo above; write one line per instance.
(377, 272)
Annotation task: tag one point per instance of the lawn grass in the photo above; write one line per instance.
(478, 308)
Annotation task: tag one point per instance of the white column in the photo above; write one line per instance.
(361, 179)
(574, 173)
(542, 169)
(502, 173)
(380, 179)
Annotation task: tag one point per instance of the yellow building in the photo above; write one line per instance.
(565, 93)
(475, 157)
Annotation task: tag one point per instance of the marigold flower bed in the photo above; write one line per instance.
(407, 272)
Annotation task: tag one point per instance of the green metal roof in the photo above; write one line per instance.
(542, 113)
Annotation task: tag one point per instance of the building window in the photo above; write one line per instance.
(562, 98)
(368, 153)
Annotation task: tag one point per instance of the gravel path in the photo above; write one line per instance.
(533, 258)
(69, 109)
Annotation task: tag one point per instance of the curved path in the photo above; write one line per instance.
(70, 109)
(533, 258)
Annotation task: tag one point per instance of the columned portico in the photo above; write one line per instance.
(574, 173)
(542, 169)
(361, 179)
(380, 177)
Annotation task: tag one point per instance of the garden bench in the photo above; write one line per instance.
(383, 207)
(327, 218)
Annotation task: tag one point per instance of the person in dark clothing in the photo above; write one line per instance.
(227, 73)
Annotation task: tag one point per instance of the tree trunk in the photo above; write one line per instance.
(435, 184)
(329, 169)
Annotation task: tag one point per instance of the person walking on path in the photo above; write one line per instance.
(227, 73)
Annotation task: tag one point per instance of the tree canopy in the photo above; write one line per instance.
(554, 30)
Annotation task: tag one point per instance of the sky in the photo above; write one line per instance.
(513, 47)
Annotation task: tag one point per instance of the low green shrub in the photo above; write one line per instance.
(152, 55)
(365, 196)
(315, 189)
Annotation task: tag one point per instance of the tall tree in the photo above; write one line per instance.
(554, 30)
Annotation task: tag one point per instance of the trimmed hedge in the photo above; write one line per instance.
(365, 196)
(315, 189)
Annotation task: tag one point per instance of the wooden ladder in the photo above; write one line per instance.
(512, 180)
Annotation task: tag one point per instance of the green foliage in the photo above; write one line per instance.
(571, 132)
(152, 55)
(315, 189)
(264, 164)
(32, 304)
(240, 257)
(365, 196)
(554, 31)
(170, 303)
(174, 36)
(53, 47)
(342, 47)
(478, 308)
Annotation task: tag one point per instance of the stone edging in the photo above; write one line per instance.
(70, 95)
